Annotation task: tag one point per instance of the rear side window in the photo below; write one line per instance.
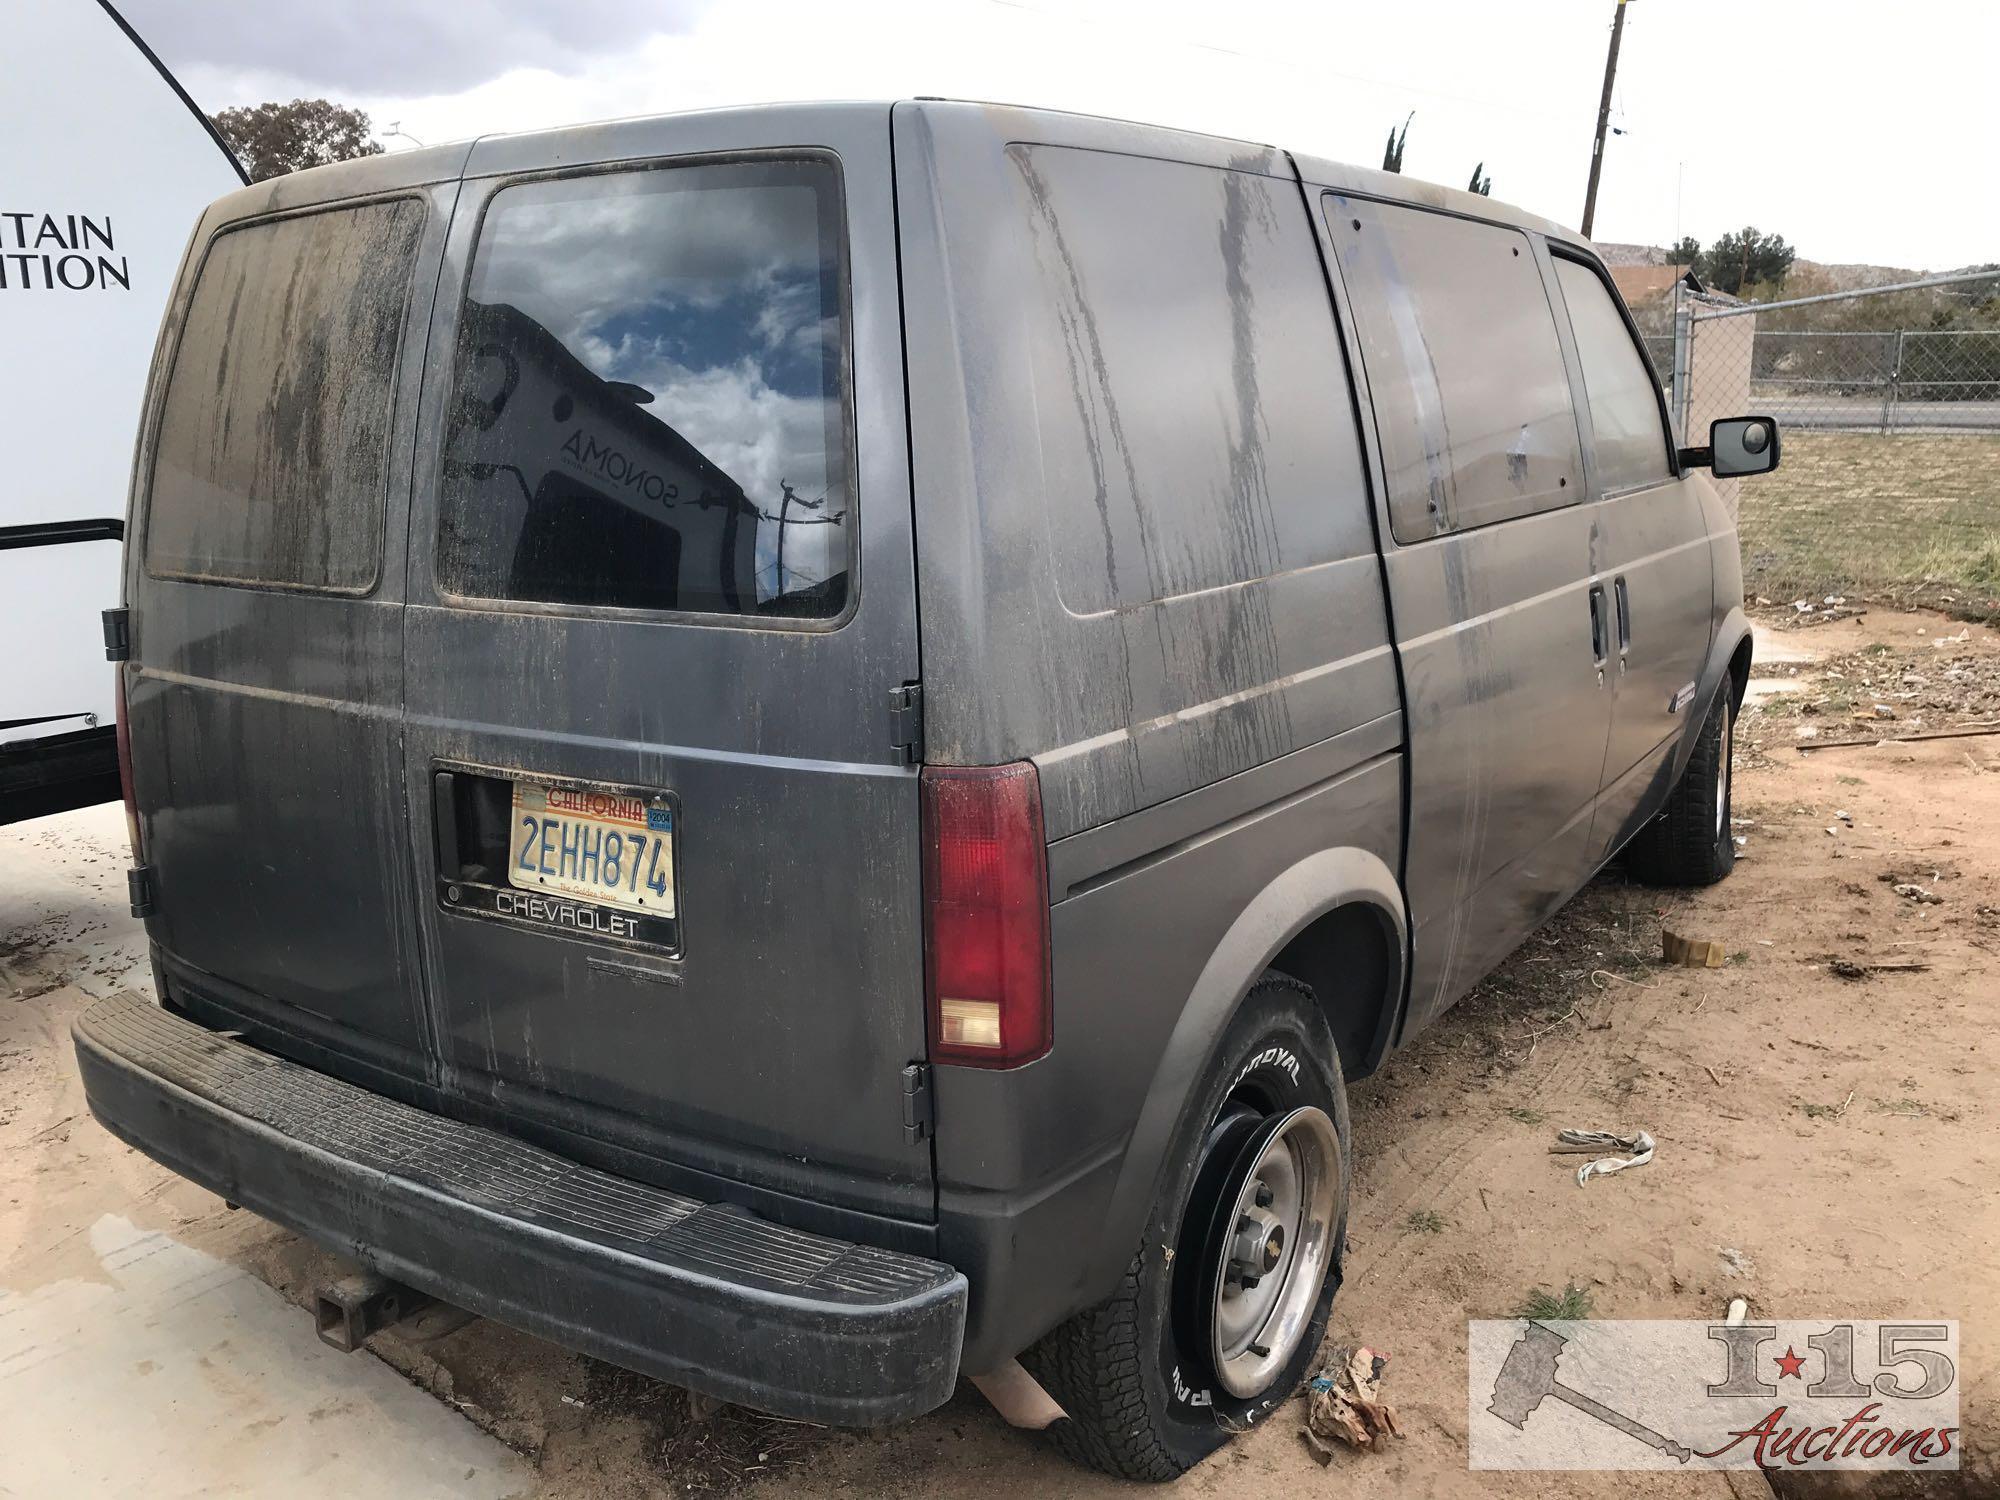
(271, 462)
(1472, 400)
(1195, 422)
(1630, 440)
(649, 409)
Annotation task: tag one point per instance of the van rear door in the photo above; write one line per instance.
(661, 593)
(265, 576)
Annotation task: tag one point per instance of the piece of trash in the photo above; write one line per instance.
(1740, 841)
(1836, 599)
(1849, 968)
(1845, 817)
(1965, 634)
(569, 1400)
(1910, 891)
(1344, 1404)
(1806, 732)
(1692, 953)
(1803, 606)
(1735, 1262)
(1638, 1144)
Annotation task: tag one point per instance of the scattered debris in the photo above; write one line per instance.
(1827, 1111)
(1344, 1404)
(1692, 953)
(1922, 895)
(1908, 1108)
(1735, 1262)
(1638, 1145)
(1854, 968)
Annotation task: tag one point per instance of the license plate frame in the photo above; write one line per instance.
(486, 885)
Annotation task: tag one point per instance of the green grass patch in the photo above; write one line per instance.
(1525, 1115)
(1862, 512)
(1569, 1305)
(1424, 1221)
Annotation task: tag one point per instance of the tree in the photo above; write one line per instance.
(1686, 252)
(273, 139)
(1392, 154)
(1481, 183)
(1745, 259)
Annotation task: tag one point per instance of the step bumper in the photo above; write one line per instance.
(702, 1295)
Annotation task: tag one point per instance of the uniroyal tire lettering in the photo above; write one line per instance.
(1186, 1395)
(1279, 1057)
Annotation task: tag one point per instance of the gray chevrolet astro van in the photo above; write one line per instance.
(796, 747)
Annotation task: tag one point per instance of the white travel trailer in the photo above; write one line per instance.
(105, 165)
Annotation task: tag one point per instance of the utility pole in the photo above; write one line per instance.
(1603, 119)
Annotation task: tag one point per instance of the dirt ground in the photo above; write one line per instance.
(1826, 1128)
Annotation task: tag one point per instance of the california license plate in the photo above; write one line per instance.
(611, 848)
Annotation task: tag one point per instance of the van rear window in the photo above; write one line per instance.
(650, 395)
(271, 462)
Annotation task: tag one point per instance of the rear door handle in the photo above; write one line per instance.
(1599, 653)
(1624, 619)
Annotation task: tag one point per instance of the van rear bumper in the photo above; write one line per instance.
(702, 1295)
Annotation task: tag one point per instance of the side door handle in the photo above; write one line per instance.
(1624, 601)
(1599, 650)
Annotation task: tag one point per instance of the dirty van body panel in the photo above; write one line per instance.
(661, 571)
(1149, 568)
(1489, 570)
(1114, 642)
(265, 570)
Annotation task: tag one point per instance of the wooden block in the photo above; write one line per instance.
(1693, 953)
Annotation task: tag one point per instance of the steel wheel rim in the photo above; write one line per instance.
(1278, 1237)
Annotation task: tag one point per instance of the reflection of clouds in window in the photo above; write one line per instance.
(580, 253)
(761, 437)
(714, 289)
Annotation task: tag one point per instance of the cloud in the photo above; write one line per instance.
(377, 47)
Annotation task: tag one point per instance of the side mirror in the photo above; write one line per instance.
(1737, 447)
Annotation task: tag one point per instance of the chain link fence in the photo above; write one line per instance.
(1889, 485)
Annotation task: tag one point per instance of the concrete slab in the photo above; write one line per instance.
(176, 1374)
(138, 1353)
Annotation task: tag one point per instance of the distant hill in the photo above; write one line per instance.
(1825, 276)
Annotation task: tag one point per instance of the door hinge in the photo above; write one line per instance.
(919, 1116)
(117, 634)
(906, 721)
(140, 886)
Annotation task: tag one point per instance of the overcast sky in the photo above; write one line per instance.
(1860, 132)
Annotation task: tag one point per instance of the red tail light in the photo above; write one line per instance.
(986, 915)
(124, 737)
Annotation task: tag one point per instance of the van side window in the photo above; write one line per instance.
(1465, 369)
(649, 408)
(271, 463)
(1630, 439)
(1194, 420)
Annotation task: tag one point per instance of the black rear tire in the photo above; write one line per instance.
(1689, 843)
(1142, 1401)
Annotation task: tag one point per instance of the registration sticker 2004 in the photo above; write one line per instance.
(612, 848)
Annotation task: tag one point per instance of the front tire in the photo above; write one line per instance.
(1689, 843)
(1223, 1307)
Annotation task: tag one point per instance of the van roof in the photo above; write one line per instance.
(442, 163)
